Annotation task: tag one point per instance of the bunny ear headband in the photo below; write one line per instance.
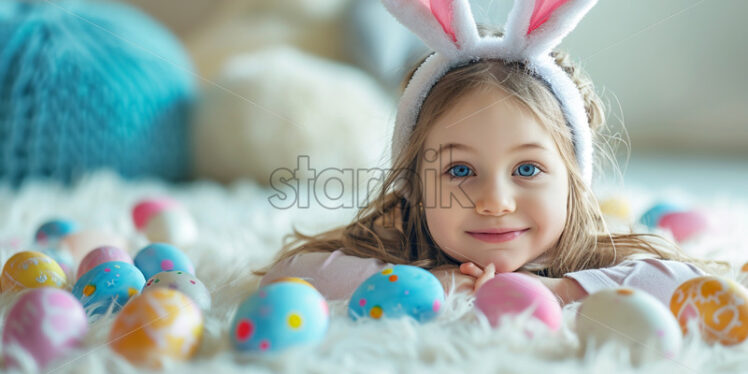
(533, 29)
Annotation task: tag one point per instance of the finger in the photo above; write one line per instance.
(488, 273)
(471, 269)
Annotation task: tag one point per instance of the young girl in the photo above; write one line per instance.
(492, 161)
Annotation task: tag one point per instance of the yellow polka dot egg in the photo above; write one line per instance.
(29, 269)
(278, 316)
(719, 306)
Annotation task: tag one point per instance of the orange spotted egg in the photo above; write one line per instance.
(158, 324)
(29, 269)
(719, 305)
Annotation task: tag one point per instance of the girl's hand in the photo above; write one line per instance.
(481, 275)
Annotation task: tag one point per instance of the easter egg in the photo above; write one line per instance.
(158, 257)
(513, 293)
(616, 207)
(44, 322)
(155, 325)
(29, 269)
(719, 305)
(50, 232)
(101, 255)
(278, 316)
(684, 225)
(652, 216)
(165, 220)
(183, 282)
(293, 279)
(81, 242)
(634, 319)
(110, 283)
(399, 291)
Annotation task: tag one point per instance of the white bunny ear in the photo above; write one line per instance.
(535, 27)
(446, 26)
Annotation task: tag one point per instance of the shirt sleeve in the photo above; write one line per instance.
(334, 274)
(658, 277)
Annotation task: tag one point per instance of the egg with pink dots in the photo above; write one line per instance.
(157, 257)
(398, 291)
(183, 282)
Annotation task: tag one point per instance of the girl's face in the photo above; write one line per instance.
(498, 170)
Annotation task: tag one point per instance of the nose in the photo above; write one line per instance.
(496, 199)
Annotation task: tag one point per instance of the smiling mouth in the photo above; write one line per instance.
(497, 238)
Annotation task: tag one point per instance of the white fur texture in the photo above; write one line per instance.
(272, 106)
(240, 231)
(517, 45)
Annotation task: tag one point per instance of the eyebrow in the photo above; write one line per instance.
(469, 148)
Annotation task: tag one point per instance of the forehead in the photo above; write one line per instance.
(489, 118)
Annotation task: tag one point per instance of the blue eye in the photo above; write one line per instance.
(459, 171)
(528, 170)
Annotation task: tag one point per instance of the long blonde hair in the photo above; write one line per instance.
(393, 228)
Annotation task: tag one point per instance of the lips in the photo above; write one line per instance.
(497, 235)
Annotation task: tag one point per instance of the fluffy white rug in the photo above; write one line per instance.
(240, 231)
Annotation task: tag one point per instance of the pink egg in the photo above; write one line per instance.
(45, 323)
(513, 293)
(684, 225)
(147, 208)
(101, 255)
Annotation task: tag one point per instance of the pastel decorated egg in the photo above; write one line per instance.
(183, 282)
(719, 305)
(29, 269)
(155, 325)
(50, 232)
(81, 242)
(101, 255)
(513, 293)
(164, 220)
(684, 225)
(63, 258)
(633, 319)
(652, 216)
(616, 206)
(45, 323)
(399, 291)
(108, 284)
(278, 316)
(158, 257)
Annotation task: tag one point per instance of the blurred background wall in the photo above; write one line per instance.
(671, 70)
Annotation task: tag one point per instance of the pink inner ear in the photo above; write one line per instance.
(541, 13)
(443, 12)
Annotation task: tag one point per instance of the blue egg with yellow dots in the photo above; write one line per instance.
(109, 283)
(398, 291)
(280, 315)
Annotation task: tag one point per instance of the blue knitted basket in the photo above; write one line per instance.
(88, 85)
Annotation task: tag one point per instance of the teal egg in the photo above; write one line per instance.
(278, 316)
(399, 291)
(652, 216)
(106, 284)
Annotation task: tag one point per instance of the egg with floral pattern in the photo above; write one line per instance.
(398, 291)
(161, 323)
(108, 284)
(183, 282)
(47, 323)
(719, 305)
(30, 269)
(278, 316)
